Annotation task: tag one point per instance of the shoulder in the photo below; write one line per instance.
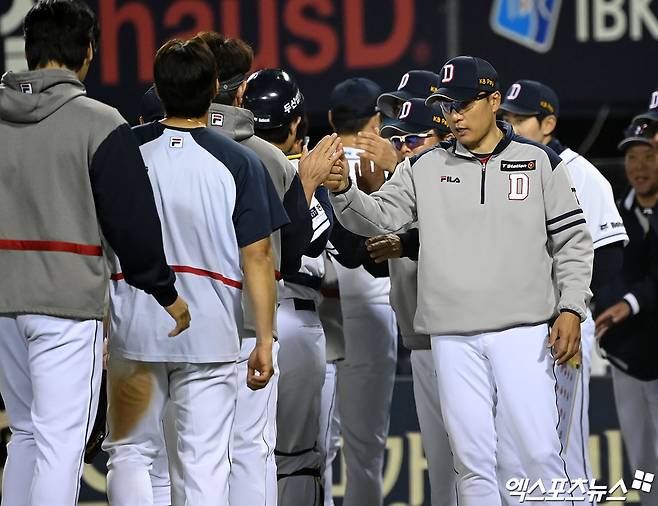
(147, 132)
(90, 110)
(433, 149)
(580, 166)
(537, 149)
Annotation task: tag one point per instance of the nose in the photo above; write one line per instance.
(405, 150)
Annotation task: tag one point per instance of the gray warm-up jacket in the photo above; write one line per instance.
(503, 240)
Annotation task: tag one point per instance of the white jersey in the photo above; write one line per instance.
(596, 199)
(213, 197)
(358, 285)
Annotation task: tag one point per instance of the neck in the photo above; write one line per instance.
(179, 122)
(547, 140)
(647, 201)
(489, 142)
(348, 140)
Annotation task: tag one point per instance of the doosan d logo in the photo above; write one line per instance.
(403, 81)
(514, 92)
(405, 110)
(448, 73)
(654, 100)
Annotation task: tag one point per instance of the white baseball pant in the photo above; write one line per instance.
(302, 366)
(365, 389)
(328, 434)
(50, 376)
(576, 453)
(637, 410)
(443, 479)
(253, 466)
(511, 372)
(204, 398)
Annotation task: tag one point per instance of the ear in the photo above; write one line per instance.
(141, 120)
(90, 53)
(494, 101)
(239, 95)
(331, 121)
(548, 125)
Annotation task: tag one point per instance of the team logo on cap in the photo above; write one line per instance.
(175, 142)
(403, 81)
(404, 110)
(216, 119)
(26, 88)
(448, 73)
(514, 91)
(654, 100)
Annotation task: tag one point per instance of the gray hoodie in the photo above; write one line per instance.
(72, 185)
(503, 241)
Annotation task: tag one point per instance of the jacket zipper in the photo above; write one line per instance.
(483, 164)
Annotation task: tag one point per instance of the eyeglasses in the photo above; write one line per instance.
(412, 141)
(460, 106)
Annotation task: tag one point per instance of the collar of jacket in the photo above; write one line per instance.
(457, 149)
(556, 146)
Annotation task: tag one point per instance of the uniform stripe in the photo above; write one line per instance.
(186, 269)
(67, 247)
(564, 216)
(567, 226)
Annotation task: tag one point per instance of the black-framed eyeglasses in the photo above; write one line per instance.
(460, 106)
(412, 141)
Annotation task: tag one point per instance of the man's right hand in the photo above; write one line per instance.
(260, 368)
(339, 177)
(181, 313)
(315, 165)
(384, 247)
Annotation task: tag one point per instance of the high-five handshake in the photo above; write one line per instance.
(338, 179)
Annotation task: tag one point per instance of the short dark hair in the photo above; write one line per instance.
(350, 126)
(185, 77)
(302, 128)
(233, 57)
(277, 135)
(59, 31)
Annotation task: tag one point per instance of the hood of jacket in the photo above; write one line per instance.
(29, 97)
(235, 122)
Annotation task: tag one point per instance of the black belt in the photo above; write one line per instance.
(304, 304)
(304, 279)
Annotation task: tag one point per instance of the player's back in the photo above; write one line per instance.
(196, 196)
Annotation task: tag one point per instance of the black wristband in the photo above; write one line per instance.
(349, 185)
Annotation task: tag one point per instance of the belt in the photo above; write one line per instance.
(306, 280)
(303, 304)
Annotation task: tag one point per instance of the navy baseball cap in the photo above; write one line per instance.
(530, 98)
(641, 130)
(414, 84)
(415, 117)
(652, 112)
(464, 78)
(150, 107)
(354, 98)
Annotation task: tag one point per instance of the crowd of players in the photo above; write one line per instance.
(286, 319)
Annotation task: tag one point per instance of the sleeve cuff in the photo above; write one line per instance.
(166, 296)
(349, 187)
(631, 300)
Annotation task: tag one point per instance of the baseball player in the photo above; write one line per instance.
(627, 329)
(277, 104)
(212, 241)
(416, 129)
(499, 224)
(54, 246)
(413, 84)
(532, 108)
(367, 375)
(253, 472)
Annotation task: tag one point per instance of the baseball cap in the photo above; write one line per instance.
(150, 107)
(652, 113)
(354, 98)
(415, 117)
(530, 98)
(414, 84)
(464, 78)
(641, 130)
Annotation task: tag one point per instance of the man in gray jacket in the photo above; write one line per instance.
(72, 186)
(504, 250)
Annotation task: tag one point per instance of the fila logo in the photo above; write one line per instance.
(175, 142)
(519, 186)
(448, 73)
(450, 179)
(26, 88)
(654, 100)
(404, 81)
(216, 119)
(404, 110)
(514, 91)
